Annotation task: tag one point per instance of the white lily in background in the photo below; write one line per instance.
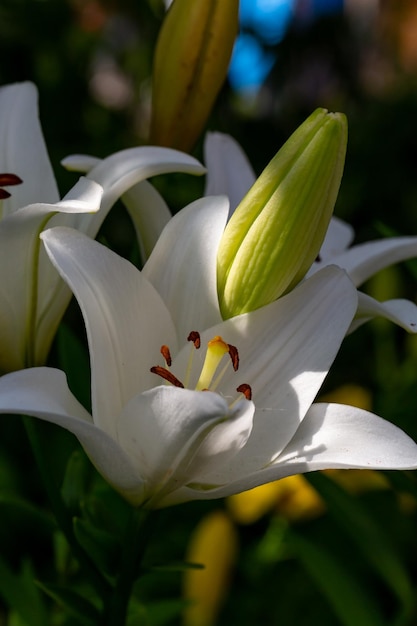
(229, 172)
(32, 296)
(173, 422)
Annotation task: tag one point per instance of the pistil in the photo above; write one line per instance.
(217, 348)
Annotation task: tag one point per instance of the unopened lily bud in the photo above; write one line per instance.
(190, 65)
(277, 230)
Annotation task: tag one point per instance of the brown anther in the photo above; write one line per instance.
(10, 179)
(234, 356)
(246, 390)
(194, 336)
(166, 375)
(166, 354)
(5, 181)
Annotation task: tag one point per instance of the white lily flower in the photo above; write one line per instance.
(32, 296)
(229, 172)
(199, 435)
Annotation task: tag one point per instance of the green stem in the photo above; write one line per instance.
(138, 532)
(59, 509)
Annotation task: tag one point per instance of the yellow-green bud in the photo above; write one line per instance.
(191, 60)
(277, 230)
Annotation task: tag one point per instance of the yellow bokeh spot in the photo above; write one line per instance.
(355, 395)
(214, 544)
(293, 498)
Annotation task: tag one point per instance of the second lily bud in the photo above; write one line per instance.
(277, 230)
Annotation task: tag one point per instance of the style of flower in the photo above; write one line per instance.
(32, 296)
(229, 409)
(229, 172)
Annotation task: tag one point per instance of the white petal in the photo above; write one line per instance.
(125, 318)
(223, 442)
(286, 349)
(161, 429)
(401, 312)
(147, 209)
(80, 162)
(43, 393)
(183, 265)
(23, 151)
(25, 274)
(19, 281)
(366, 259)
(337, 435)
(331, 436)
(338, 238)
(149, 213)
(122, 170)
(228, 169)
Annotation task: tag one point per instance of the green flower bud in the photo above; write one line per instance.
(277, 230)
(190, 65)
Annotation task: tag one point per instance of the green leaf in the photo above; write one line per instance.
(369, 537)
(102, 547)
(349, 600)
(176, 566)
(75, 479)
(75, 604)
(74, 360)
(26, 511)
(20, 593)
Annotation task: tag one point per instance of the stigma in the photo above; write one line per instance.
(219, 356)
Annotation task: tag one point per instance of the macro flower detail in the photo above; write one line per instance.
(32, 296)
(7, 180)
(276, 231)
(229, 172)
(159, 443)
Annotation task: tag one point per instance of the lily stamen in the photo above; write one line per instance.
(166, 375)
(194, 337)
(167, 355)
(7, 180)
(217, 348)
(246, 390)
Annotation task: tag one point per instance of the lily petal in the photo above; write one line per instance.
(149, 213)
(182, 266)
(80, 162)
(43, 392)
(161, 430)
(23, 148)
(228, 169)
(114, 298)
(331, 436)
(19, 243)
(366, 259)
(401, 312)
(124, 174)
(281, 358)
(338, 238)
(342, 436)
(122, 170)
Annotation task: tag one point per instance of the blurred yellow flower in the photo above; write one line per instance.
(351, 394)
(292, 497)
(214, 544)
